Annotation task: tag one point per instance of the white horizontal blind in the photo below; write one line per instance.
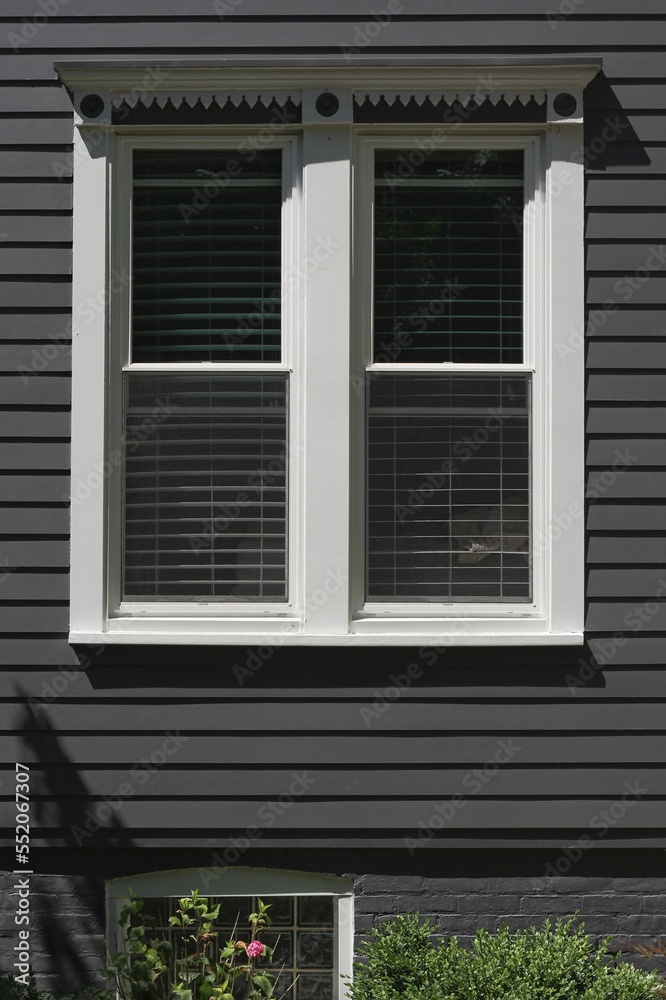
(449, 488)
(205, 492)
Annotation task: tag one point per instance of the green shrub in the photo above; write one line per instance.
(402, 961)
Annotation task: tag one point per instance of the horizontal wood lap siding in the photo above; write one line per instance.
(586, 728)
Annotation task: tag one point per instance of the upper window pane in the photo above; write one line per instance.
(206, 239)
(448, 256)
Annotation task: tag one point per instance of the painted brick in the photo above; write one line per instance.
(609, 904)
(480, 904)
(653, 904)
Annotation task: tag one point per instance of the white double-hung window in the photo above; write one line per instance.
(327, 395)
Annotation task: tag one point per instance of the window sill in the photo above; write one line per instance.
(441, 637)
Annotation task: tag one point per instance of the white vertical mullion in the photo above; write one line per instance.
(565, 188)
(344, 943)
(89, 297)
(327, 194)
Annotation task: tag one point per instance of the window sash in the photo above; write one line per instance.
(369, 616)
(125, 611)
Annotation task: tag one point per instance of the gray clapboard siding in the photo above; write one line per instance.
(98, 681)
(355, 750)
(441, 717)
(644, 289)
(32, 67)
(638, 485)
(32, 587)
(630, 96)
(639, 551)
(633, 420)
(54, 356)
(35, 99)
(28, 652)
(640, 452)
(30, 294)
(626, 582)
(33, 554)
(320, 33)
(27, 423)
(33, 520)
(623, 616)
(642, 225)
(29, 390)
(625, 257)
(33, 619)
(36, 131)
(54, 327)
(35, 260)
(305, 9)
(627, 323)
(402, 815)
(629, 158)
(39, 197)
(608, 192)
(35, 228)
(34, 456)
(636, 388)
(21, 163)
(394, 783)
(575, 719)
(627, 517)
(632, 354)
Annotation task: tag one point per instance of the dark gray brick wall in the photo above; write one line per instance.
(67, 910)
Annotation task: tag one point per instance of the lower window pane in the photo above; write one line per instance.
(448, 488)
(205, 487)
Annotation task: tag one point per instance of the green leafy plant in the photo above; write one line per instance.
(403, 961)
(151, 968)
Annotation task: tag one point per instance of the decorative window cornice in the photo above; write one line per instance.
(190, 82)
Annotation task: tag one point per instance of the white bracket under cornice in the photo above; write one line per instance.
(136, 84)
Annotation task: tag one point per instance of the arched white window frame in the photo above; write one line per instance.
(242, 881)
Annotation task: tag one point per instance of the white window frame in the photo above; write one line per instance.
(242, 881)
(325, 600)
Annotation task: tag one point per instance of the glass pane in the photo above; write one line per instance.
(448, 256)
(205, 487)
(314, 910)
(449, 488)
(206, 267)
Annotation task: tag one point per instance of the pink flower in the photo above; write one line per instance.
(255, 949)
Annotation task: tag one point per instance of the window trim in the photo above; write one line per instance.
(561, 616)
(242, 881)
